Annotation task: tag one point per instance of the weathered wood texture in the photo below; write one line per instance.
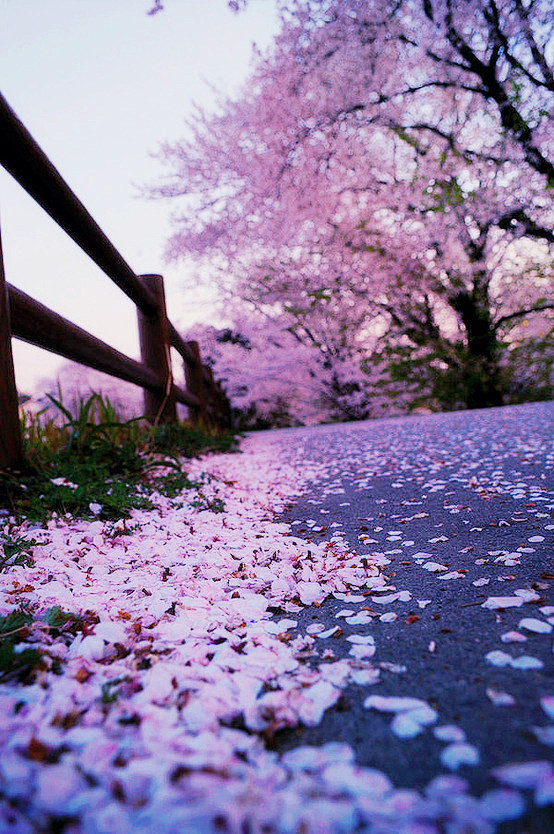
(10, 436)
(159, 405)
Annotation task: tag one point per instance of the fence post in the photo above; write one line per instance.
(195, 383)
(153, 328)
(11, 447)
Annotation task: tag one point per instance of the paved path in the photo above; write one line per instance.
(462, 507)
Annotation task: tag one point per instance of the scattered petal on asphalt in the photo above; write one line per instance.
(449, 732)
(363, 618)
(544, 794)
(500, 805)
(458, 754)
(361, 639)
(499, 603)
(500, 699)
(446, 785)
(385, 600)
(525, 774)
(362, 651)
(537, 626)
(547, 703)
(527, 594)
(393, 703)
(499, 658)
(513, 637)
(525, 661)
(405, 726)
(323, 635)
(544, 734)
(365, 677)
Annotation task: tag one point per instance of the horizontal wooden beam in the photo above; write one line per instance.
(34, 323)
(183, 348)
(29, 165)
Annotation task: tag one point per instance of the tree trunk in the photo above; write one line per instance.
(481, 372)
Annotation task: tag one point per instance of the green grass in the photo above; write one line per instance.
(15, 551)
(93, 464)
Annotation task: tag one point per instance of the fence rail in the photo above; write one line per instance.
(25, 318)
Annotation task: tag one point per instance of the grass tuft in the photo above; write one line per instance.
(92, 464)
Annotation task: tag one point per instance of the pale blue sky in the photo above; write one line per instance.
(99, 84)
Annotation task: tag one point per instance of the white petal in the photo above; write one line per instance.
(323, 635)
(500, 699)
(385, 600)
(361, 652)
(498, 658)
(362, 639)
(449, 732)
(524, 774)
(393, 703)
(365, 677)
(527, 594)
(458, 754)
(500, 805)
(363, 618)
(547, 703)
(545, 735)
(315, 700)
(310, 592)
(494, 603)
(513, 637)
(544, 794)
(445, 786)
(537, 626)
(527, 662)
(404, 726)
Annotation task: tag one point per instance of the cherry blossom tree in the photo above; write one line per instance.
(378, 182)
(273, 379)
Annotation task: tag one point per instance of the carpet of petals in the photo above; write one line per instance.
(158, 717)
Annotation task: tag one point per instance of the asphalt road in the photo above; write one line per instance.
(471, 492)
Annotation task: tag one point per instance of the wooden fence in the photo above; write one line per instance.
(25, 318)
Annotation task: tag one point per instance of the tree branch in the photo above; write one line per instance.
(531, 229)
(538, 309)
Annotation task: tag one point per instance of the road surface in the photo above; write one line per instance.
(461, 506)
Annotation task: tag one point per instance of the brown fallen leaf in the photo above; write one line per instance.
(83, 674)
